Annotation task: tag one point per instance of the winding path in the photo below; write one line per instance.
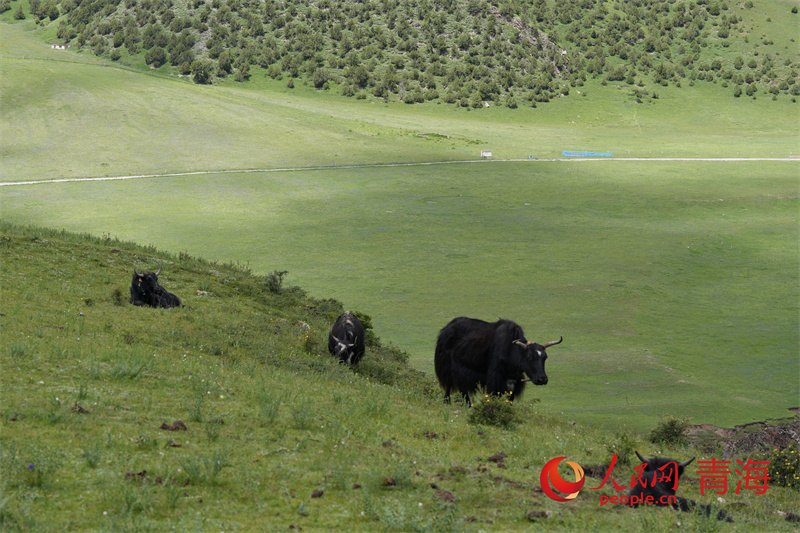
(385, 165)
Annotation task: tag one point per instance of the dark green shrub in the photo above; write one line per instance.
(493, 410)
(369, 334)
(670, 430)
(156, 56)
(414, 97)
(242, 73)
(274, 281)
(201, 70)
(784, 466)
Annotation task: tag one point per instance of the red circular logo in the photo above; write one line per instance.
(551, 479)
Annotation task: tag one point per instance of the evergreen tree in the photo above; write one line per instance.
(201, 71)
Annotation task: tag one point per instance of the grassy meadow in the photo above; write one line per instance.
(649, 270)
(674, 285)
(64, 114)
(229, 415)
(665, 277)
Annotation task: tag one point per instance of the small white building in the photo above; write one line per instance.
(59, 46)
(486, 153)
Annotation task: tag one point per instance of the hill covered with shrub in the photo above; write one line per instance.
(467, 53)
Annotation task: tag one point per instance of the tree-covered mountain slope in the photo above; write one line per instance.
(467, 53)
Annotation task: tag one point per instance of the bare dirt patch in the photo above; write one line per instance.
(749, 438)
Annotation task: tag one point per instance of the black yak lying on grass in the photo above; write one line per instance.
(656, 485)
(146, 291)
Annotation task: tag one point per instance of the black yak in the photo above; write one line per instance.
(657, 483)
(146, 291)
(346, 339)
(471, 353)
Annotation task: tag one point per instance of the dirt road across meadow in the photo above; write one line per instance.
(386, 165)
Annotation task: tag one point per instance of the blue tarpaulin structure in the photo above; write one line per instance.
(587, 154)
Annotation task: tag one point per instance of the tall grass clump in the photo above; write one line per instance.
(274, 281)
(129, 365)
(39, 466)
(135, 499)
(205, 468)
(624, 446)
(18, 350)
(303, 414)
(269, 403)
(93, 454)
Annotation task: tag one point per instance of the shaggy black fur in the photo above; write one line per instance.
(146, 291)
(657, 482)
(472, 353)
(346, 339)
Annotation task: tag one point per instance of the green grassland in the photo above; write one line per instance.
(277, 436)
(64, 115)
(674, 284)
(669, 276)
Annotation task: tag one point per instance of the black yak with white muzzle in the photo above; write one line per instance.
(346, 339)
(472, 353)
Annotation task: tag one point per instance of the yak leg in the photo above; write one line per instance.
(496, 385)
(683, 504)
(519, 386)
(465, 396)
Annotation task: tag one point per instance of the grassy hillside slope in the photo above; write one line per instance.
(276, 436)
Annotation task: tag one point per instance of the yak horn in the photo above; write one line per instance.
(552, 343)
(134, 269)
(159, 270)
(520, 343)
(642, 459)
(684, 465)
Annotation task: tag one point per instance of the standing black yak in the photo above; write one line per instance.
(146, 291)
(346, 339)
(657, 482)
(471, 353)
